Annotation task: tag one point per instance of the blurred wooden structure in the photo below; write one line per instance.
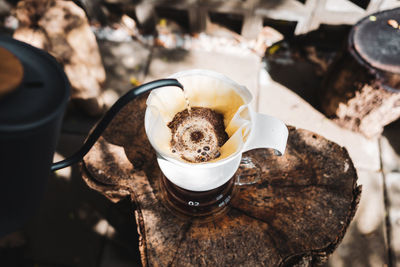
(301, 15)
(62, 29)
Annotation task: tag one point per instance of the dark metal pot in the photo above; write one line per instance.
(30, 120)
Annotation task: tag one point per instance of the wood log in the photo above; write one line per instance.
(62, 29)
(362, 89)
(295, 215)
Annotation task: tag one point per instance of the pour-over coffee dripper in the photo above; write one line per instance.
(203, 189)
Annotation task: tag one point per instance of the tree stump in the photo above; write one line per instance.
(62, 29)
(362, 89)
(295, 215)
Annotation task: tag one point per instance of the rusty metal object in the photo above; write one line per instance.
(376, 44)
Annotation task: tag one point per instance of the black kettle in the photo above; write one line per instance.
(31, 115)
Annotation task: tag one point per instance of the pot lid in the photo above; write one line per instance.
(376, 39)
(39, 96)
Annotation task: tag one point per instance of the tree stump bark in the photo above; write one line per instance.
(295, 215)
(62, 29)
(362, 89)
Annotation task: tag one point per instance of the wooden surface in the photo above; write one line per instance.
(295, 215)
(295, 16)
(362, 89)
(355, 98)
(11, 71)
(308, 15)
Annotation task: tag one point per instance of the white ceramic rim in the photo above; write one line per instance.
(242, 91)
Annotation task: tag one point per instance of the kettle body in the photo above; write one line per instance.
(30, 120)
(25, 161)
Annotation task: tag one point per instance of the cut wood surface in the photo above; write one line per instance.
(362, 88)
(11, 72)
(295, 215)
(357, 100)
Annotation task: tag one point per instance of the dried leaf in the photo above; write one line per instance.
(393, 23)
(134, 81)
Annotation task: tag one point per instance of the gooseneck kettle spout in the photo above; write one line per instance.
(34, 93)
(110, 114)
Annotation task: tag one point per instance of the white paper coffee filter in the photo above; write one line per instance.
(203, 89)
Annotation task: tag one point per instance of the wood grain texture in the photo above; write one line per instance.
(11, 72)
(295, 215)
(358, 97)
